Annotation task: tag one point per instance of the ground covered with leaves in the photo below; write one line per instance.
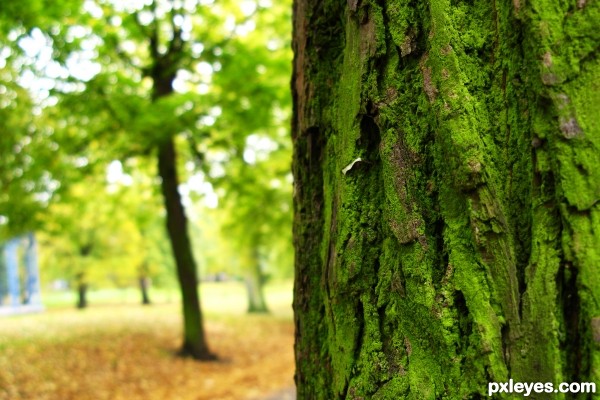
(129, 352)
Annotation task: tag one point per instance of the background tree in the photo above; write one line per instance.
(31, 168)
(151, 67)
(21, 178)
(134, 188)
(164, 79)
(253, 175)
(258, 213)
(446, 196)
(91, 239)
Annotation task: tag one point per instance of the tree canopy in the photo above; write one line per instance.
(93, 86)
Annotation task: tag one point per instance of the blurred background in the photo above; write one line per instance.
(104, 106)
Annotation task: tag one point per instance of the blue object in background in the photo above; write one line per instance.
(33, 279)
(21, 298)
(11, 261)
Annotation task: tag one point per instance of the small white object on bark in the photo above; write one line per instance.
(349, 166)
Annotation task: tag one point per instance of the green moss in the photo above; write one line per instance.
(579, 149)
(395, 388)
(348, 101)
(402, 28)
(561, 41)
(450, 253)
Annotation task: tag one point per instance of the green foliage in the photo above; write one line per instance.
(107, 230)
(252, 93)
(16, 164)
(98, 104)
(86, 236)
(257, 209)
(30, 168)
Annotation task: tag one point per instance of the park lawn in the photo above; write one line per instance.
(127, 351)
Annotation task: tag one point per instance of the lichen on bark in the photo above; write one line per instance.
(461, 249)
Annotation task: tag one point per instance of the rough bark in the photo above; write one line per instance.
(446, 196)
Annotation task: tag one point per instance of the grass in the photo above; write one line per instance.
(216, 297)
(117, 349)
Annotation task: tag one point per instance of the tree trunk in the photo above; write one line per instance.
(144, 282)
(255, 286)
(446, 196)
(194, 343)
(82, 295)
(85, 250)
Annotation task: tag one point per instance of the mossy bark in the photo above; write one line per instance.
(446, 195)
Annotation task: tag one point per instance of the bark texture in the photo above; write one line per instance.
(446, 195)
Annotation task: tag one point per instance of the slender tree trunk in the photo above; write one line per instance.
(82, 289)
(144, 282)
(255, 285)
(194, 343)
(194, 340)
(446, 196)
(80, 278)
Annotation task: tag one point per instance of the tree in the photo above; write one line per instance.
(91, 239)
(136, 193)
(255, 194)
(31, 169)
(446, 196)
(136, 78)
(256, 203)
(21, 179)
(142, 51)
